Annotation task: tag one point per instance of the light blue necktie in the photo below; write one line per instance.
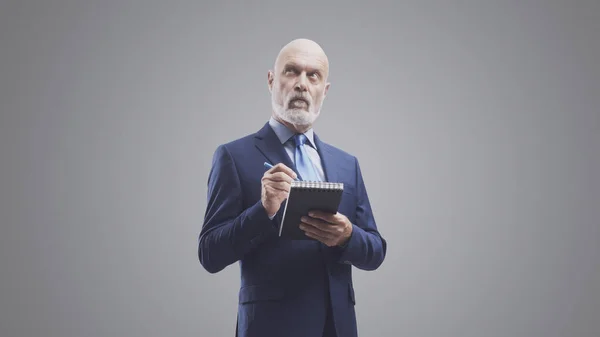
(303, 163)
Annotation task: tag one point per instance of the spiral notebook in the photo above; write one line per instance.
(306, 196)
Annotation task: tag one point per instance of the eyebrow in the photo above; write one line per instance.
(296, 67)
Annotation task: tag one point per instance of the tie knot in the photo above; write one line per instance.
(300, 139)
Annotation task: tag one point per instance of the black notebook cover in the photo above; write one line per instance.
(306, 196)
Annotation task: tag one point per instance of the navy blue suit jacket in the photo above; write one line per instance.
(285, 285)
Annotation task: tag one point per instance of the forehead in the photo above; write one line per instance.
(305, 59)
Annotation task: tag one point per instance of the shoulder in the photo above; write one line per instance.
(239, 144)
(338, 151)
(342, 156)
(236, 146)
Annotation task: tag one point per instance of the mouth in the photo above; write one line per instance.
(298, 101)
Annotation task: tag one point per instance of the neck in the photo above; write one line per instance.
(293, 127)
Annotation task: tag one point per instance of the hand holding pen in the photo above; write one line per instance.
(269, 166)
(276, 183)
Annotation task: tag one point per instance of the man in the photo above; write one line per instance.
(289, 288)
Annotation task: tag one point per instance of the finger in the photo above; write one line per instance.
(329, 230)
(325, 216)
(277, 182)
(327, 241)
(279, 176)
(271, 191)
(319, 224)
(316, 230)
(283, 168)
(281, 186)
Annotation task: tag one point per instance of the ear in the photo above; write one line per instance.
(326, 88)
(270, 78)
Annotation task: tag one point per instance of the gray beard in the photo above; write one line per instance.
(294, 116)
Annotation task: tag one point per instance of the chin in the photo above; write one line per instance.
(295, 116)
(298, 116)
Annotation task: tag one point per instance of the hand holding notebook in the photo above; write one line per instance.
(307, 196)
(330, 229)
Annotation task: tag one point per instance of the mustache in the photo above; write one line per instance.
(299, 97)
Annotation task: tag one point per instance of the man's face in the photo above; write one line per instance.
(298, 85)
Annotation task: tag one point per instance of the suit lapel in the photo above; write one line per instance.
(328, 160)
(269, 145)
(267, 142)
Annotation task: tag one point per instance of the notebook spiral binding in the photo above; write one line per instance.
(319, 186)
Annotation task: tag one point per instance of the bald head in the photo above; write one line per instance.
(298, 83)
(303, 49)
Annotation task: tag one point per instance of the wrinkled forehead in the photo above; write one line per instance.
(305, 59)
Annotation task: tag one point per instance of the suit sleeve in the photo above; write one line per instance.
(229, 231)
(366, 248)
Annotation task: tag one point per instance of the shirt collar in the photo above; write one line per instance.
(284, 134)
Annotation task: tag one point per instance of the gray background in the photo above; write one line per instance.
(477, 125)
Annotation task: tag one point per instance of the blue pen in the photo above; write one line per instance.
(268, 166)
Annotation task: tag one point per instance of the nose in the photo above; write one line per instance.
(301, 84)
